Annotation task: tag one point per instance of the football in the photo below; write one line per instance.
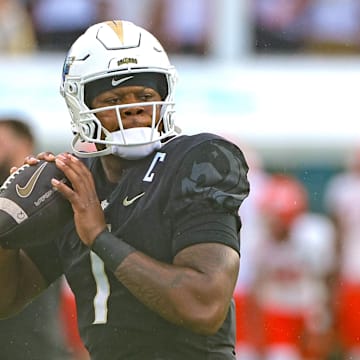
(32, 212)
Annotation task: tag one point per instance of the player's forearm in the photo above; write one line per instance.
(9, 280)
(20, 281)
(195, 297)
(180, 295)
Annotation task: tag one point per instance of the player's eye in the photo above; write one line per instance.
(112, 101)
(148, 95)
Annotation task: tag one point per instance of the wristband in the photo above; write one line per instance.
(111, 249)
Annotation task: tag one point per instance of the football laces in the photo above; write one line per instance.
(9, 180)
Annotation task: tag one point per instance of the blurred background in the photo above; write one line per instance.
(279, 77)
(280, 74)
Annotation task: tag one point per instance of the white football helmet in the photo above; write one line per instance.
(114, 52)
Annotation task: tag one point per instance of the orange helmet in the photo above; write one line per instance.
(284, 197)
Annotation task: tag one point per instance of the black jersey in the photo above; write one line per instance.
(186, 193)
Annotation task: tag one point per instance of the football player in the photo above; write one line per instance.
(289, 291)
(152, 253)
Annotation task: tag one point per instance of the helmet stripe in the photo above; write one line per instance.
(117, 27)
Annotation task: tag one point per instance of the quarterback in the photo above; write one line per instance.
(151, 252)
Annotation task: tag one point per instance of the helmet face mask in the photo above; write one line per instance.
(112, 54)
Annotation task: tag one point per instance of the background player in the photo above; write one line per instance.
(341, 202)
(290, 290)
(35, 333)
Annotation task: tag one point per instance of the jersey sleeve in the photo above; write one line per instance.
(208, 190)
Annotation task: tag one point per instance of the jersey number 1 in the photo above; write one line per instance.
(102, 289)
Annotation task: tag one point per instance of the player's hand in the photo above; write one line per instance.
(33, 160)
(88, 214)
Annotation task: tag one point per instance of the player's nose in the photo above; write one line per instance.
(132, 110)
(135, 117)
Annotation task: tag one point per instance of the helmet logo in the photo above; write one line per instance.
(115, 82)
(127, 60)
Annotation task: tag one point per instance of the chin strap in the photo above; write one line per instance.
(87, 149)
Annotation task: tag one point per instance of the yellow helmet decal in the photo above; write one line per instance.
(117, 27)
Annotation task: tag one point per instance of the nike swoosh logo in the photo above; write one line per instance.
(25, 191)
(118, 82)
(127, 202)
